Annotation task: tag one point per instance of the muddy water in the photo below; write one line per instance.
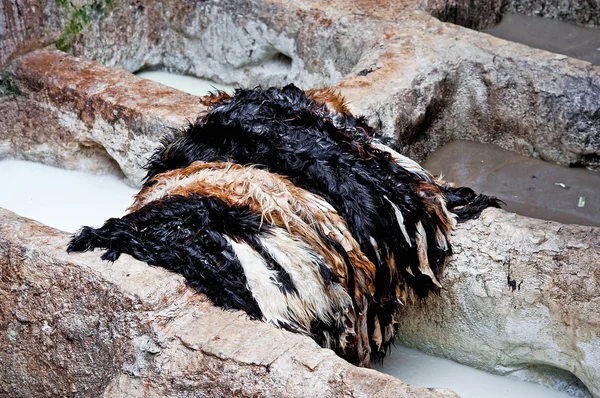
(529, 187)
(551, 35)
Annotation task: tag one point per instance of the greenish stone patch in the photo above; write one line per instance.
(8, 87)
(79, 17)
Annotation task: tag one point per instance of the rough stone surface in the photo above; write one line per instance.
(485, 14)
(26, 25)
(470, 14)
(438, 82)
(423, 82)
(78, 114)
(522, 298)
(71, 325)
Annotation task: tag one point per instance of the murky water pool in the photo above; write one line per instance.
(529, 187)
(550, 35)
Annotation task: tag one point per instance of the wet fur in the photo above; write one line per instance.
(303, 214)
(290, 134)
(229, 254)
(398, 217)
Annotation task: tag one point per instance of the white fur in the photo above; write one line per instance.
(421, 239)
(274, 305)
(403, 161)
(400, 219)
(301, 263)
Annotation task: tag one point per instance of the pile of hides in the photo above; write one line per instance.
(282, 204)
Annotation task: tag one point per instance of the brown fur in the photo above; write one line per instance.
(330, 97)
(214, 98)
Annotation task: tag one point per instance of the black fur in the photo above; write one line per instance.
(466, 204)
(284, 131)
(184, 235)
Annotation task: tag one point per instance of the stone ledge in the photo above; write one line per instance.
(78, 114)
(74, 325)
(422, 81)
(547, 321)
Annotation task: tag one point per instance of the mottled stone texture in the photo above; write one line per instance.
(71, 325)
(422, 81)
(473, 14)
(26, 25)
(62, 330)
(522, 298)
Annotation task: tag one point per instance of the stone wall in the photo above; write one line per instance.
(26, 25)
(423, 82)
(522, 298)
(482, 15)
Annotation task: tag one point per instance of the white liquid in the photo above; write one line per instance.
(188, 84)
(422, 370)
(67, 200)
(63, 199)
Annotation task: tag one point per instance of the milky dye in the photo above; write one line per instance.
(422, 370)
(189, 84)
(63, 199)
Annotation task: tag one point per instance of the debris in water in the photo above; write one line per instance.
(560, 184)
(581, 202)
